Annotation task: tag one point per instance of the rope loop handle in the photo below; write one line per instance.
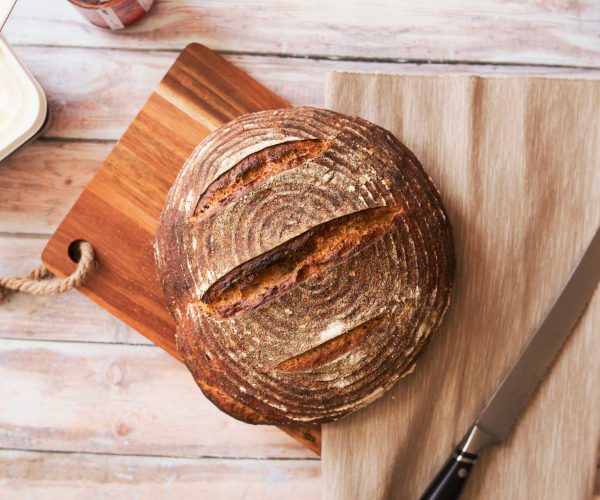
(39, 282)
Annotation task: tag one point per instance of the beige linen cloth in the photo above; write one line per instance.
(517, 162)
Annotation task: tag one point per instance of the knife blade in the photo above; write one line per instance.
(506, 404)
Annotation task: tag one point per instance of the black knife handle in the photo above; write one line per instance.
(450, 480)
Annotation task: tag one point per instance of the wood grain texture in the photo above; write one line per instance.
(118, 399)
(63, 476)
(73, 78)
(39, 183)
(517, 161)
(68, 317)
(119, 209)
(558, 32)
(53, 173)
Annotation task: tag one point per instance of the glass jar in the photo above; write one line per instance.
(113, 14)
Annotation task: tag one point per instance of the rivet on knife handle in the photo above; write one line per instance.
(450, 480)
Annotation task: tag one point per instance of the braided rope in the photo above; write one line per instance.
(37, 282)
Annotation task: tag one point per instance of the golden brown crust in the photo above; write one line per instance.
(306, 257)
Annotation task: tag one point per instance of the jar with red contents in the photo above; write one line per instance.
(113, 14)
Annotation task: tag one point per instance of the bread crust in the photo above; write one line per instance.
(307, 258)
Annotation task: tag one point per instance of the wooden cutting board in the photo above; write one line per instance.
(517, 161)
(119, 209)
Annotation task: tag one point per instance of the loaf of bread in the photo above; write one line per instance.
(306, 257)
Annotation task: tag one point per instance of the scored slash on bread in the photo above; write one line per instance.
(306, 257)
(256, 168)
(330, 349)
(268, 276)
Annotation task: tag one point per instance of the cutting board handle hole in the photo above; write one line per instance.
(74, 251)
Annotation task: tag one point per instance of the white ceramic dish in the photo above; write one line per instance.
(23, 105)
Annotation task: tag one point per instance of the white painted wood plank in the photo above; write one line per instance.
(39, 183)
(95, 93)
(122, 399)
(61, 476)
(68, 317)
(456, 30)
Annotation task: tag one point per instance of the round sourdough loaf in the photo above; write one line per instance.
(306, 258)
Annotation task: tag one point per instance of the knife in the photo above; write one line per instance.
(503, 408)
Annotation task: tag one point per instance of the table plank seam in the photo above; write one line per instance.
(182, 457)
(25, 236)
(320, 57)
(79, 342)
(88, 140)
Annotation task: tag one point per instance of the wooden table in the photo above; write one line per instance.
(85, 402)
